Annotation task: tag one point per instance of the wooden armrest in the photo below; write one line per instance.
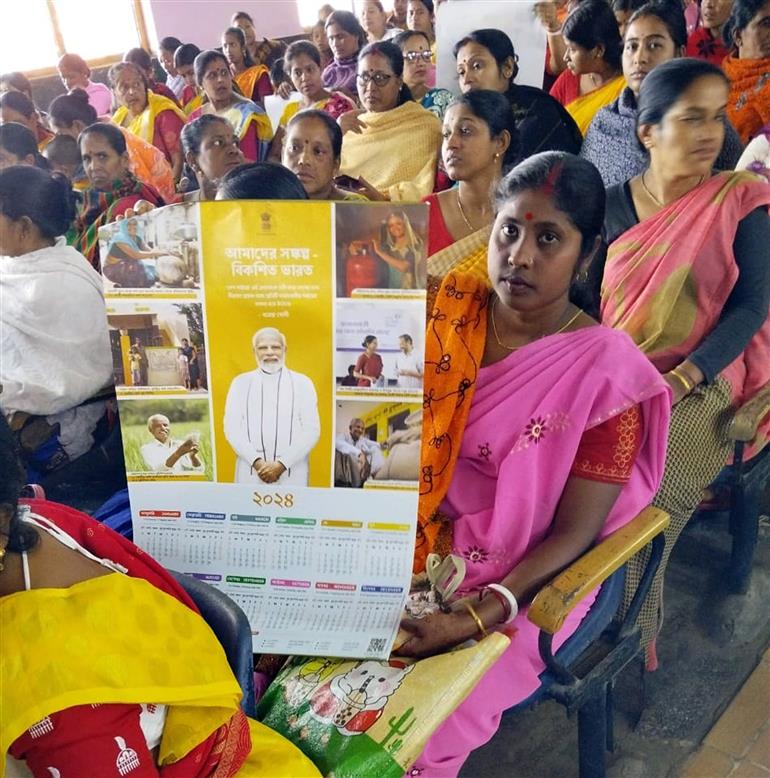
(553, 602)
(743, 426)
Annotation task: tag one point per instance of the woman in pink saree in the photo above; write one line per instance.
(687, 276)
(535, 444)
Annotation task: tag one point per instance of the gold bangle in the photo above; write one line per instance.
(475, 616)
(686, 383)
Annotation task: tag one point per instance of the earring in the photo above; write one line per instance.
(497, 156)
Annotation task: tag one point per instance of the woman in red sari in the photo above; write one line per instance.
(140, 686)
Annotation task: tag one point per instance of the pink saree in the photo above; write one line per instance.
(667, 279)
(525, 418)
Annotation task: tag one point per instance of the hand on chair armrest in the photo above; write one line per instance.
(553, 602)
(743, 426)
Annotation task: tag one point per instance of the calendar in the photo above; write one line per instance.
(269, 380)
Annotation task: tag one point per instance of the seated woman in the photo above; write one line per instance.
(687, 276)
(655, 33)
(184, 62)
(260, 181)
(393, 143)
(624, 10)
(421, 17)
(125, 263)
(250, 122)
(166, 49)
(107, 711)
(706, 41)
(71, 114)
(546, 447)
(55, 353)
(142, 59)
(479, 143)
(374, 20)
(18, 146)
(75, 74)
(151, 117)
(16, 107)
(415, 46)
(747, 66)
(318, 37)
(210, 150)
(311, 150)
(485, 59)
(346, 39)
(263, 52)
(593, 77)
(113, 188)
(253, 80)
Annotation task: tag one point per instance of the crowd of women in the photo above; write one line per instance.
(598, 287)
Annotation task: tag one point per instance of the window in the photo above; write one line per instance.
(35, 33)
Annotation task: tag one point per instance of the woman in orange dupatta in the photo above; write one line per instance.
(687, 276)
(253, 80)
(747, 66)
(140, 686)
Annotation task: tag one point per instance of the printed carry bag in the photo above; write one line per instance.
(372, 718)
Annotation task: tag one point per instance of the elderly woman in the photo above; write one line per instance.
(479, 143)
(419, 72)
(687, 276)
(532, 413)
(250, 122)
(253, 80)
(151, 117)
(55, 347)
(346, 39)
(485, 59)
(655, 33)
(210, 150)
(393, 143)
(593, 77)
(747, 33)
(113, 188)
(311, 150)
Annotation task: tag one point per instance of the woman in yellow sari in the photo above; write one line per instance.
(593, 77)
(253, 80)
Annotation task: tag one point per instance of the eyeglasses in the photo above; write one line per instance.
(416, 56)
(380, 79)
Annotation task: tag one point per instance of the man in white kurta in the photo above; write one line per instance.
(166, 455)
(357, 457)
(408, 365)
(271, 417)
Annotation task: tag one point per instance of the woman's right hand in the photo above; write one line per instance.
(546, 13)
(349, 121)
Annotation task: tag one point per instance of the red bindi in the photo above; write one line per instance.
(529, 216)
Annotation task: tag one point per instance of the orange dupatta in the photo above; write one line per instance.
(748, 105)
(247, 81)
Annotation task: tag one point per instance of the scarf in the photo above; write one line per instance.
(748, 105)
(247, 81)
(584, 108)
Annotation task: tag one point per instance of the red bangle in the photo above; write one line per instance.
(499, 597)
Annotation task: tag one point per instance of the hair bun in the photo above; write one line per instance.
(79, 94)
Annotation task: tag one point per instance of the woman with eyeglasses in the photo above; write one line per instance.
(419, 71)
(250, 122)
(393, 144)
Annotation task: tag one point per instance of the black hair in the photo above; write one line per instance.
(74, 61)
(497, 43)
(21, 536)
(138, 57)
(670, 13)
(495, 111)
(401, 39)
(278, 73)
(170, 43)
(186, 54)
(261, 181)
(193, 132)
(395, 58)
(67, 109)
(741, 15)
(18, 81)
(21, 142)
(349, 23)
(429, 5)
(666, 83)
(577, 190)
(114, 72)
(109, 132)
(332, 128)
(241, 15)
(203, 60)
(626, 6)
(63, 150)
(406, 337)
(46, 199)
(367, 340)
(298, 48)
(592, 24)
(237, 32)
(19, 102)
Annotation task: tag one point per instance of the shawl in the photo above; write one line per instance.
(584, 108)
(143, 125)
(55, 348)
(148, 163)
(667, 279)
(341, 74)
(612, 147)
(748, 105)
(244, 115)
(377, 153)
(247, 81)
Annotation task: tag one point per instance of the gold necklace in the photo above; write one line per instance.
(462, 211)
(655, 199)
(513, 348)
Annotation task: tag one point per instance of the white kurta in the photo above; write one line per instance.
(156, 453)
(273, 417)
(346, 445)
(412, 363)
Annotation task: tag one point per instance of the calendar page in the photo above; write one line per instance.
(268, 360)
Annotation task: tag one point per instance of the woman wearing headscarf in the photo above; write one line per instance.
(402, 250)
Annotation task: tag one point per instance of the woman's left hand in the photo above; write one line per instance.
(436, 633)
(285, 90)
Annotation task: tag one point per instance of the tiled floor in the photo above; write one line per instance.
(738, 745)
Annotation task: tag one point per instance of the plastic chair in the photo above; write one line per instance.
(230, 625)
(582, 673)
